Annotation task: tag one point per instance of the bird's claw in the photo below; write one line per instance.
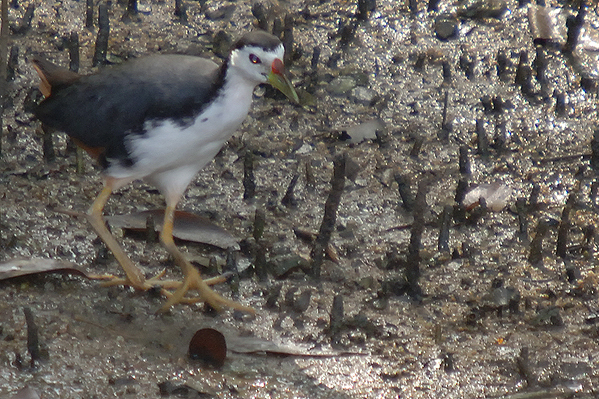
(206, 294)
(194, 281)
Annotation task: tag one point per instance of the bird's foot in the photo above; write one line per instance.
(110, 280)
(193, 281)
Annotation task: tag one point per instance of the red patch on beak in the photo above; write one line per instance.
(278, 67)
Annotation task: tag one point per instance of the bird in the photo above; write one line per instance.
(160, 118)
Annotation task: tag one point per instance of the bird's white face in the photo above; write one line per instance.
(255, 63)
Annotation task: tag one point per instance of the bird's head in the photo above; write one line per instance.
(258, 56)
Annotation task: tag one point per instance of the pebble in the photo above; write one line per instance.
(446, 27)
(224, 12)
(305, 149)
(364, 131)
(363, 95)
(341, 85)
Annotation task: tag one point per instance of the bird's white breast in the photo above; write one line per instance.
(167, 145)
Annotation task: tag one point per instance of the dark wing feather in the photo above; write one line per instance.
(100, 110)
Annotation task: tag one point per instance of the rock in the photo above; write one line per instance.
(480, 9)
(283, 265)
(363, 95)
(224, 12)
(363, 131)
(341, 85)
(446, 27)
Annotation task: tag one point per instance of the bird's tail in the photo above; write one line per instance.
(51, 75)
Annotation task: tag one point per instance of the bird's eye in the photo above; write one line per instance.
(254, 59)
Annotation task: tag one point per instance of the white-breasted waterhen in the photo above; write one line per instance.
(160, 118)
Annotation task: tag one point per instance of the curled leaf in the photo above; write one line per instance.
(187, 226)
(22, 267)
(496, 196)
(208, 345)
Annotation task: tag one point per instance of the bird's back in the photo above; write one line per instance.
(99, 110)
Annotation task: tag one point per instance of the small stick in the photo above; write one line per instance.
(403, 185)
(446, 73)
(33, 345)
(101, 48)
(231, 267)
(467, 64)
(151, 235)
(595, 150)
(522, 211)
(13, 63)
(413, 7)
(443, 243)
(259, 12)
(433, 5)
(535, 256)
(330, 215)
(315, 58)
(364, 8)
(533, 199)
(249, 183)
(459, 214)
(47, 144)
(574, 25)
(89, 14)
(502, 66)
(287, 40)
(418, 142)
(500, 134)
(413, 258)
(524, 369)
(26, 20)
(73, 46)
(260, 263)
(564, 227)
(336, 320)
(130, 11)
(288, 199)
(482, 139)
(464, 161)
(181, 11)
(445, 124)
(259, 223)
(561, 108)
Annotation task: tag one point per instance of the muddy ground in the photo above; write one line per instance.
(488, 322)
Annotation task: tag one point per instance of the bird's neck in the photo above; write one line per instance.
(235, 93)
(233, 79)
(228, 108)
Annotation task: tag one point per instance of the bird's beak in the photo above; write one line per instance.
(277, 78)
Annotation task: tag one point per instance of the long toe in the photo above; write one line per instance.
(206, 294)
(110, 280)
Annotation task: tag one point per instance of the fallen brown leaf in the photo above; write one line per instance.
(188, 226)
(22, 267)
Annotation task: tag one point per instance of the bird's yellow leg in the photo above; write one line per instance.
(135, 277)
(192, 280)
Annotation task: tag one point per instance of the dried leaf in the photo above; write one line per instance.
(496, 195)
(22, 267)
(187, 227)
(208, 345)
(249, 345)
(547, 24)
(363, 131)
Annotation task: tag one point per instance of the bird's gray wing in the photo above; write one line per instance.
(99, 110)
